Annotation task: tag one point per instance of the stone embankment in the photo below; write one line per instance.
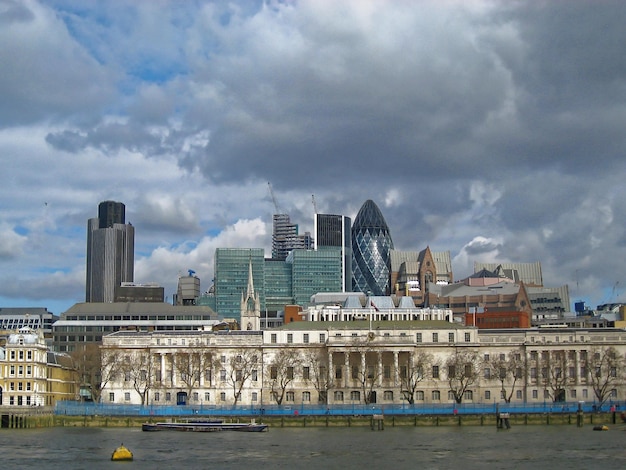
(386, 421)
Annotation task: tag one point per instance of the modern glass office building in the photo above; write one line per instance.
(279, 282)
(278, 286)
(332, 230)
(371, 247)
(315, 271)
(231, 267)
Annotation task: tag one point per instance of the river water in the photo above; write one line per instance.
(464, 448)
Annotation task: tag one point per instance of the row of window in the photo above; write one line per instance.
(20, 400)
(419, 337)
(20, 371)
(355, 395)
(21, 355)
(21, 386)
(79, 338)
(133, 318)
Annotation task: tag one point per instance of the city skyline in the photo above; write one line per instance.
(492, 130)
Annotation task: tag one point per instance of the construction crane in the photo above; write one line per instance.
(613, 297)
(314, 203)
(269, 185)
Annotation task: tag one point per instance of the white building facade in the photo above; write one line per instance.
(359, 362)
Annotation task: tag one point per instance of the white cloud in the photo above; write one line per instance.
(452, 116)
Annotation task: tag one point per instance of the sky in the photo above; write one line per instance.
(490, 129)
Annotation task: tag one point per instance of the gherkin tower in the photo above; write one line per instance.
(371, 248)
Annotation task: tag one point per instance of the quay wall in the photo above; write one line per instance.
(355, 421)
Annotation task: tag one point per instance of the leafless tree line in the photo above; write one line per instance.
(554, 371)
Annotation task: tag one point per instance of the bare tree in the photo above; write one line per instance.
(604, 366)
(413, 372)
(368, 371)
(315, 361)
(190, 364)
(462, 371)
(110, 369)
(238, 369)
(281, 373)
(508, 369)
(86, 360)
(554, 368)
(138, 368)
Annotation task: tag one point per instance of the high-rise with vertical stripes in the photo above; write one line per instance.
(334, 231)
(110, 252)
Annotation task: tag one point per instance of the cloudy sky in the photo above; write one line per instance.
(494, 130)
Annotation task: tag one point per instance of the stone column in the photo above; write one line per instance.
(381, 372)
(396, 371)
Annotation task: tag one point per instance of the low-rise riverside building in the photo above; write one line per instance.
(31, 375)
(86, 323)
(363, 362)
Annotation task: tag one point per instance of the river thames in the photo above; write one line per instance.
(466, 448)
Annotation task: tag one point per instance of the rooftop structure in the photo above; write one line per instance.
(528, 273)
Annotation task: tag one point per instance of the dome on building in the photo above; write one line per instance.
(23, 336)
(371, 248)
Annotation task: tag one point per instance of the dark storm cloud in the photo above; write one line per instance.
(493, 130)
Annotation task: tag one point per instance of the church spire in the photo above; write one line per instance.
(250, 291)
(250, 305)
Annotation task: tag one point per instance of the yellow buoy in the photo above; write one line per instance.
(122, 453)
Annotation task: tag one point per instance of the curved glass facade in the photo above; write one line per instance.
(371, 248)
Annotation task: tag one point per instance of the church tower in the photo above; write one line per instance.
(250, 306)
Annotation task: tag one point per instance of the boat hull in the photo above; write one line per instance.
(208, 426)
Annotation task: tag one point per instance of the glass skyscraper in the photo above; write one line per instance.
(231, 268)
(334, 231)
(313, 272)
(371, 248)
(278, 282)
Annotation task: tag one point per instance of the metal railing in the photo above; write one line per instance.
(74, 408)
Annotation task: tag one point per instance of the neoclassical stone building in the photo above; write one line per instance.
(361, 362)
(31, 375)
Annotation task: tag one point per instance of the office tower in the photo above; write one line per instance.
(285, 237)
(277, 282)
(231, 269)
(335, 231)
(110, 252)
(371, 246)
(315, 271)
